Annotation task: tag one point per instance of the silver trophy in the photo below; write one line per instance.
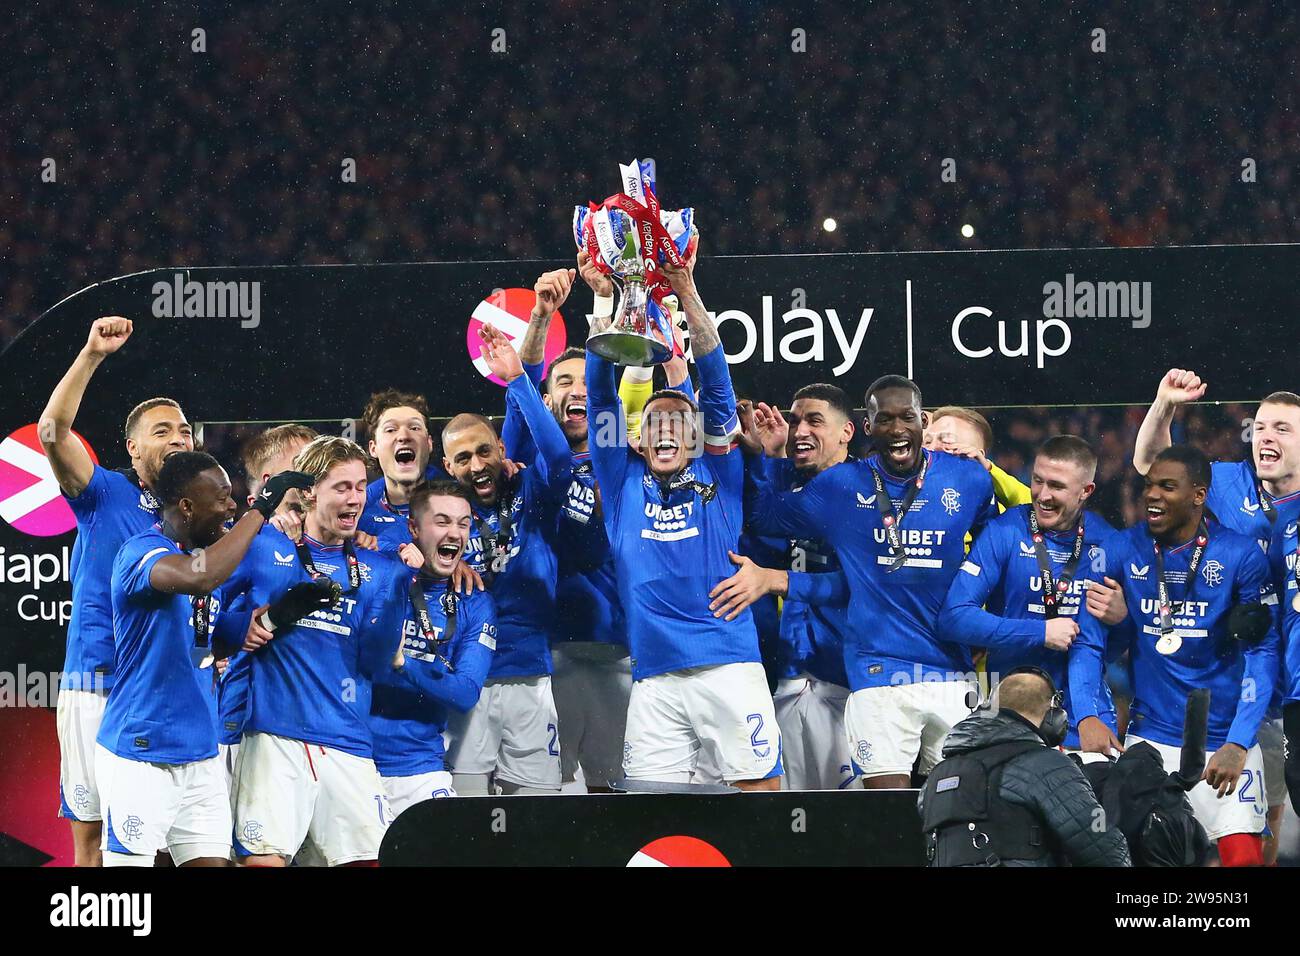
(633, 337)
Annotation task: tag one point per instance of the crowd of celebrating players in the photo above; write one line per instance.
(643, 584)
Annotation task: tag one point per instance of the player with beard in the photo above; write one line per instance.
(306, 761)
(673, 516)
(447, 646)
(1020, 591)
(156, 761)
(1256, 498)
(1186, 579)
(510, 739)
(897, 521)
(812, 687)
(591, 677)
(109, 507)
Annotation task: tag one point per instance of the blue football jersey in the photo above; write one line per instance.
(1199, 652)
(162, 708)
(1235, 499)
(1282, 563)
(670, 551)
(811, 628)
(387, 521)
(997, 601)
(410, 705)
(893, 639)
(313, 681)
(111, 508)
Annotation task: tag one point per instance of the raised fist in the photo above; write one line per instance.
(108, 334)
(1179, 386)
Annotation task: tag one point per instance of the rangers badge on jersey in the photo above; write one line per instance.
(1169, 644)
(951, 500)
(1213, 573)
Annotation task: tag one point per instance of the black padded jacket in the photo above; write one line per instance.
(1050, 785)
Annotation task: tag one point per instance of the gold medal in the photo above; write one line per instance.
(1169, 644)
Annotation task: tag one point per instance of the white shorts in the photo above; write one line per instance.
(407, 791)
(814, 748)
(889, 727)
(512, 731)
(181, 808)
(592, 684)
(702, 725)
(228, 754)
(1274, 751)
(1243, 811)
(286, 790)
(77, 718)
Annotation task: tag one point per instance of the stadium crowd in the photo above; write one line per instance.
(169, 157)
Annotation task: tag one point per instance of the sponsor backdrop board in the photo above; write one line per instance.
(272, 344)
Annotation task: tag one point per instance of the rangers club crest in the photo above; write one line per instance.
(951, 500)
(1213, 573)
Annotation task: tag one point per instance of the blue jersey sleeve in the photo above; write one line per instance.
(554, 459)
(964, 619)
(84, 504)
(988, 509)
(606, 428)
(826, 588)
(1086, 666)
(806, 512)
(514, 431)
(136, 561)
(475, 641)
(232, 623)
(717, 399)
(381, 632)
(1254, 585)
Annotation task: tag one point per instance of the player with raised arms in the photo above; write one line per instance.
(109, 507)
(673, 516)
(510, 739)
(1256, 497)
(1204, 606)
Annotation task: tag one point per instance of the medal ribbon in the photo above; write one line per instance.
(1162, 586)
(893, 515)
(349, 555)
(1053, 590)
(422, 617)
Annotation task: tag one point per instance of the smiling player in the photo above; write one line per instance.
(897, 521)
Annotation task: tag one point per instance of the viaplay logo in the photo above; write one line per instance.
(30, 499)
(679, 851)
(509, 310)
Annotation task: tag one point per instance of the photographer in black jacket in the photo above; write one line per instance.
(1005, 796)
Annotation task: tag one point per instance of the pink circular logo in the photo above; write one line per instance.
(30, 499)
(508, 310)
